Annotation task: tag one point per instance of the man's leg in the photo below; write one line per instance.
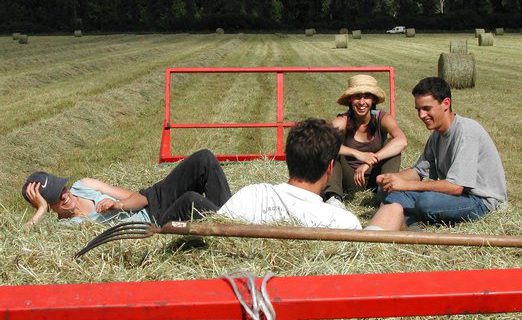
(388, 217)
(436, 207)
(190, 206)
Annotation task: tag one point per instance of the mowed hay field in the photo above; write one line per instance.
(93, 106)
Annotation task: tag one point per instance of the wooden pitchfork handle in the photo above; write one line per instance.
(329, 234)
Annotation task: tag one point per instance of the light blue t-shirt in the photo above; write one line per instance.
(80, 190)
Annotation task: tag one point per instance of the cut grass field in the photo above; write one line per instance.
(93, 106)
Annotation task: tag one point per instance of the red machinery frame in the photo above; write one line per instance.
(279, 124)
(305, 297)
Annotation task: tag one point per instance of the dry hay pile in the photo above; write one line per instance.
(341, 41)
(310, 32)
(220, 31)
(23, 39)
(499, 31)
(77, 33)
(485, 39)
(458, 69)
(458, 46)
(343, 31)
(410, 32)
(16, 35)
(356, 34)
(478, 32)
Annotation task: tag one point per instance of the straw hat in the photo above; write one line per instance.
(361, 83)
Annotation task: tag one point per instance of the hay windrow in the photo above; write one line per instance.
(458, 46)
(478, 31)
(356, 34)
(341, 41)
(457, 69)
(410, 32)
(485, 39)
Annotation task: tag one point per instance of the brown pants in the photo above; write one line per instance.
(342, 177)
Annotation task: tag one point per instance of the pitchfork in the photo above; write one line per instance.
(139, 230)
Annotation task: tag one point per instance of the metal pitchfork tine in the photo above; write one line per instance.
(126, 230)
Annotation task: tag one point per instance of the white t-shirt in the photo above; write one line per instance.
(265, 203)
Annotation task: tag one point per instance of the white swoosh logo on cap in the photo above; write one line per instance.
(45, 184)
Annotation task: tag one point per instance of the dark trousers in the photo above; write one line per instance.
(179, 196)
(342, 177)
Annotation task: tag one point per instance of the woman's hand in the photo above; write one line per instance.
(108, 205)
(358, 176)
(369, 158)
(36, 199)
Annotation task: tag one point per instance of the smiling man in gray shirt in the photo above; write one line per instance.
(458, 177)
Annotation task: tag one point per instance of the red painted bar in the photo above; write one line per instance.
(307, 297)
(165, 148)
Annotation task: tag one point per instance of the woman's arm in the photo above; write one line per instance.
(126, 199)
(398, 141)
(37, 201)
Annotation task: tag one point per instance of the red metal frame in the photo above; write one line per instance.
(165, 152)
(310, 297)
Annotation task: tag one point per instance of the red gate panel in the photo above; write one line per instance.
(279, 124)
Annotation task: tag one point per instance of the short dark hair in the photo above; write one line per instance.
(310, 146)
(437, 87)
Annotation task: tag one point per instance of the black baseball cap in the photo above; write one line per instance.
(51, 186)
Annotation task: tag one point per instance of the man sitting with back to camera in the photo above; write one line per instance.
(311, 149)
(458, 177)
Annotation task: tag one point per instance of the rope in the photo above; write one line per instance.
(261, 304)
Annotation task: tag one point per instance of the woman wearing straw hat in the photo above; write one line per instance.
(366, 152)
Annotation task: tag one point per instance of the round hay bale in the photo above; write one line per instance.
(485, 39)
(479, 31)
(343, 31)
(77, 33)
(220, 31)
(341, 41)
(499, 31)
(458, 46)
(356, 34)
(16, 35)
(309, 32)
(410, 32)
(458, 70)
(23, 39)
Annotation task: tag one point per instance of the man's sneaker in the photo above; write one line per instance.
(336, 202)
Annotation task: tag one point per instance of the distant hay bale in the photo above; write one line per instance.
(23, 39)
(220, 31)
(499, 31)
(309, 32)
(77, 33)
(458, 46)
(356, 34)
(341, 41)
(485, 39)
(343, 31)
(458, 70)
(410, 32)
(16, 35)
(479, 31)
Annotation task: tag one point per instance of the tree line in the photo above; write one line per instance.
(233, 15)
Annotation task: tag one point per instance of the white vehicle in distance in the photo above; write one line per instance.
(398, 29)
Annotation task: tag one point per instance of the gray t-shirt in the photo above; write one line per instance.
(466, 156)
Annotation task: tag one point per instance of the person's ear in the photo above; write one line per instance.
(446, 103)
(330, 168)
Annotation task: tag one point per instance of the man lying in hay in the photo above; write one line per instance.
(198, 185)
(459, 176)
